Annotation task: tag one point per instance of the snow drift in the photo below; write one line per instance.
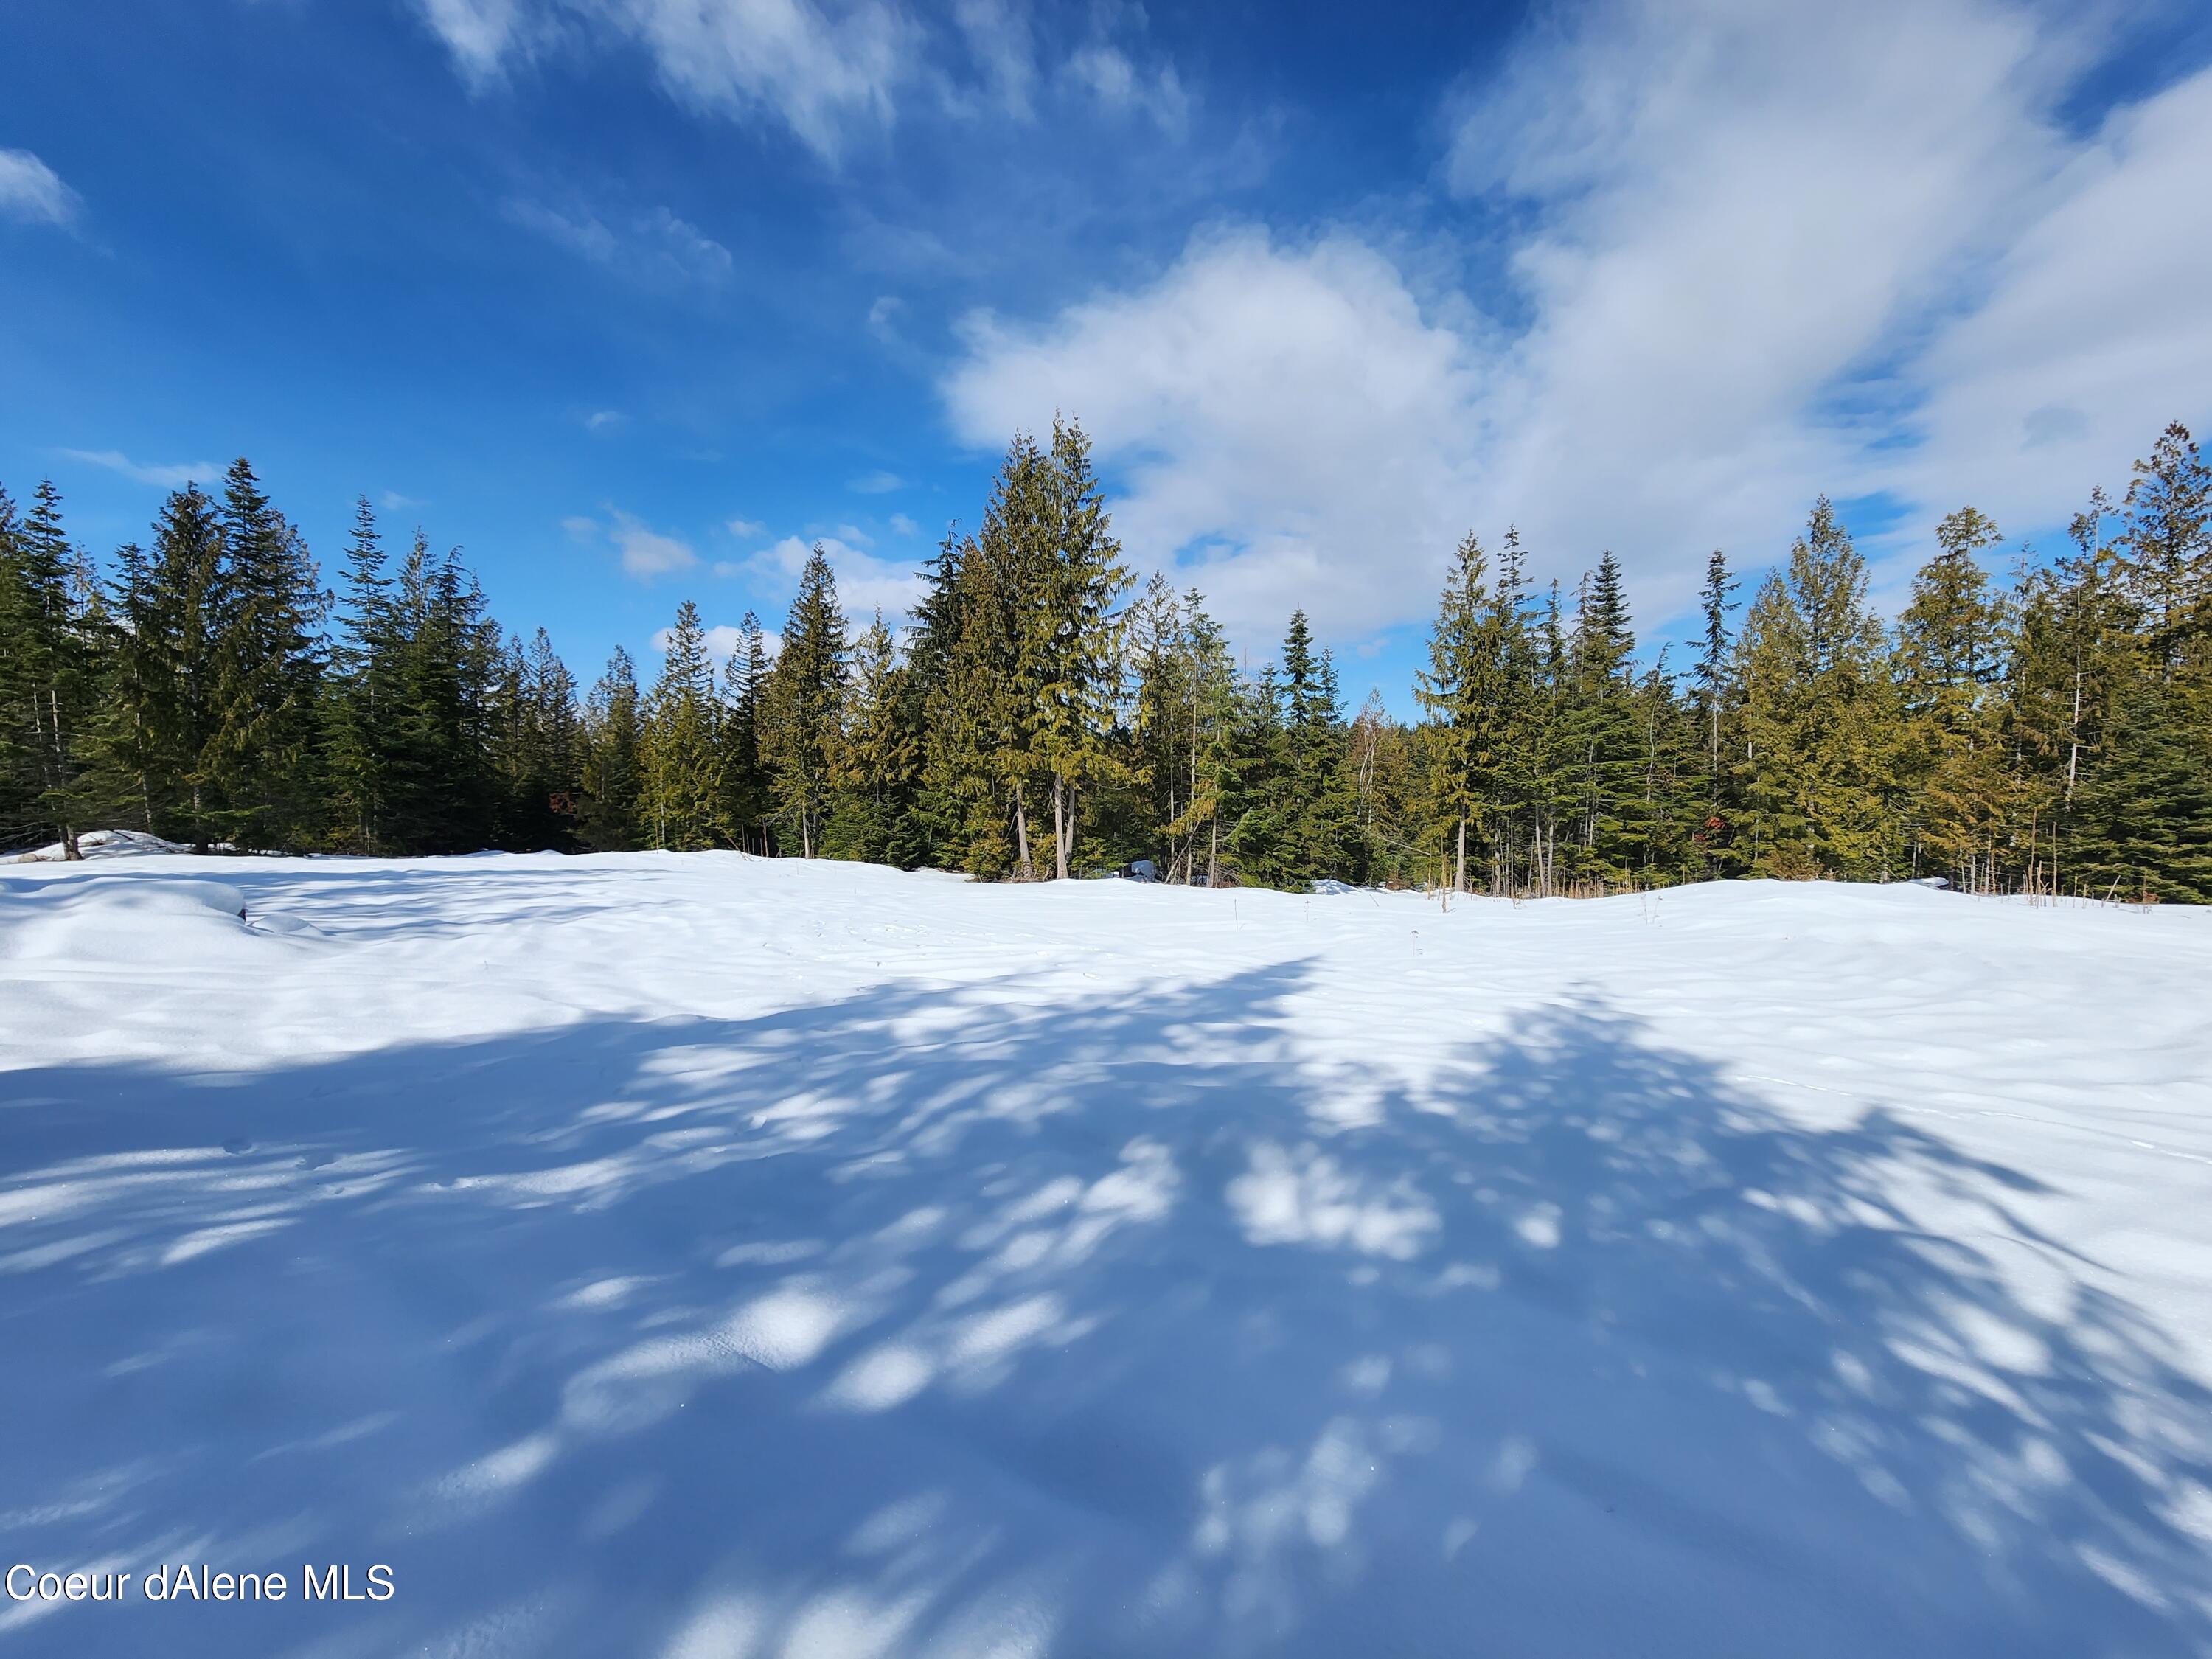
(700, 1255)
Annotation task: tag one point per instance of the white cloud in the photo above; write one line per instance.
(999, 40)
(822, 72)
(646, 553)
(393, 501)
(654, 248)
(1287, 412)
(2097, 329)
(1108, 75)
(162, 478)
(878, 482)
(883, 317)
(746, 529)
(902, 525)
(864, 583)
(831, 72)
(603, 420)
(1751, 253)
(478, 32)
(30, 190)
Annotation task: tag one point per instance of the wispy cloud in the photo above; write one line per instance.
(826, 74)
(393, 501)
(883, 317)
(1117, 83)
(160, 477)
(30, 190)
(480, 33)
(746, 529)
(1684, 355)
(831, 73)
(878, 483)
(652, 249)
(902, 525)
(603, 420)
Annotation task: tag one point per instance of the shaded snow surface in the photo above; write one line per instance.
(697, 1256)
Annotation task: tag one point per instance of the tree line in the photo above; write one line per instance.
(2046, 728)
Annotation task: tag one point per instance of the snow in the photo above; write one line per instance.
(707, 1257)
(101, 844)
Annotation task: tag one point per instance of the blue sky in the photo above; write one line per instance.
(632, 299)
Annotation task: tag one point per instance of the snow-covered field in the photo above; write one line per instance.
(691, 1256)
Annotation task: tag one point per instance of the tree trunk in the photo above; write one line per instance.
(1022, 837)
(1059, 827)
(1459, 867)
(1213, 858)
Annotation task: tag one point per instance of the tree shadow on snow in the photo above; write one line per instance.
(930, 1324)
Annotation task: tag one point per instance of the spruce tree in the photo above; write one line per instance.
(1464, 688)
(877, 752)
(2146, 812)
(1714, 701)
(801, 731)
(681, 799)
(269, 648)
(173, 609)
(1315, 807)
(1818, 731)
(1072, 645)
(359, 705)
(46, 674)
(746, 807)
(614, 735)
(1949, 654)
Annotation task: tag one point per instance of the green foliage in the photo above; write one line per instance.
(1820, 727)
(680, 793)
(2053, 734)
(614, 740)
(801, 730)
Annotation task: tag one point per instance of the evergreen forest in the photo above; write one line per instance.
(2026, 723)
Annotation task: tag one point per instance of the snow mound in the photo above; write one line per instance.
(131, 919)
(103, 844)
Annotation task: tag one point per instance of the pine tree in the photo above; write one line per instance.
(747, 806)
(806, 695)
(1073, 646)
(681, 755)
(1613, 820)
(1818, 726)
(984, 658)
(547, 749)
(614, 735)
(269, 681)
(1320, 820)
(172, 608)
(47, 667)
(1949, 656)
(358, 706)
(442, 790)
(877, 752)
(1465, 688)
(1714, 701)
(2146, 814)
